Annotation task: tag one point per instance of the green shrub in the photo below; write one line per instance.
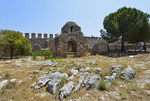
(7, 75)
(123, 96)
(41, 68)
(62, 81)
(35, 54)
(70, 73)
(105, 74)
(47, 55)
(3, 90)
(89, 70)
(102, 85)
(34, 76)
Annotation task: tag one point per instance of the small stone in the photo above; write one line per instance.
(33, 85)
(37, 87)
(133, 92)
(75, 72)
(81, 70)
(87, 68)
(18, 82)
(36, 71)
(12, 80)
(41, 94)
(97, 69)
(90, 92)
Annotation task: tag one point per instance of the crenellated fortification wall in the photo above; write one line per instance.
(42, 41)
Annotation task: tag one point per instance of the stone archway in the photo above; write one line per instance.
(72, 46)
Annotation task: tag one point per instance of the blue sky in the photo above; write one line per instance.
(48, 16)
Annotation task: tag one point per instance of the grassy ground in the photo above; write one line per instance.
(23, 92)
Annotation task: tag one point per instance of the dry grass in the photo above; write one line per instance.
(23, 92)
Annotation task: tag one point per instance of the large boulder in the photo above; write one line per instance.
(52, 86)
(86, 81)
(128, 73)
(66, 90)
(93, 81)
(80, 80)
(44, 79)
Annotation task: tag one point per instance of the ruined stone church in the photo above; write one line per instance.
(71, 40)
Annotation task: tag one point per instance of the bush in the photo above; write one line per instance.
(123, 96)
(35, 54)
(7, 75)
(102, 85)
(70, 73)
(47, 55)
(62, 81)
(41, 68)
(89, 70)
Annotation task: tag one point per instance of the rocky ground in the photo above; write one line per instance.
(91, 78)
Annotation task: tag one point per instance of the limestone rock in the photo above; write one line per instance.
(97, 69)
(93, 81)
(33, 85)
(115, 69)
(52, 86)
(47, 77)
(66, 90)
(3, 84)
(128, 73)
(80, 80)
(75, 72)
(13, 80)
(86, 81)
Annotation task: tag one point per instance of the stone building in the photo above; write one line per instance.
(71, 39)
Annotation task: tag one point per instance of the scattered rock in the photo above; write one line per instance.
(18, 82)
(70, 78)
(66, 90)
(128, 73)
(75, 72)
(13, 80)
(133, 92)
(33, 85)
(37, 87)
(52, 86)
(80, 80)
(36, 71)
(40, 94)
(97, 69)
(17, 65)
(87, 68)
(1, 77)
(108, 80)
(115, 69)
(93, 81)
(29, 77)
(3, 84)
(86, 81)
(81, 70)
(47, 77)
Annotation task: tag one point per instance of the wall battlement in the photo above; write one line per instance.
(39, 36)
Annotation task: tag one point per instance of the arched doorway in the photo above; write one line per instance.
(72, 46)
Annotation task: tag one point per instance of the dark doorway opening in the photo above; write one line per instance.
(72, 46)
(71, 28)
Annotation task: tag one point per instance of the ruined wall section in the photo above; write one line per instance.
(42, 42)
(91, 41)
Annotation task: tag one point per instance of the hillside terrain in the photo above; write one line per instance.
(90, 78)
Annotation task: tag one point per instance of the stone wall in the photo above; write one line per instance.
(39, 40)
(91, 41)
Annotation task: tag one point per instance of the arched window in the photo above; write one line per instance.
(71, 28)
